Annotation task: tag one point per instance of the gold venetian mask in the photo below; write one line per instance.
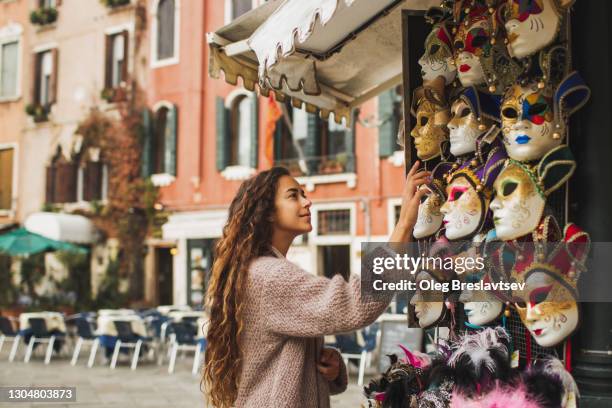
(518, 205)
(432, 115)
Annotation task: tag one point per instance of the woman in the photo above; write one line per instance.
(268, 316)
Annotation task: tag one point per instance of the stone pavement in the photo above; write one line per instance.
(149, 386)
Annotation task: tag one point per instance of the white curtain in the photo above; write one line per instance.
(8, 75)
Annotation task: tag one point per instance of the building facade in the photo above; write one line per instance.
(353, 174)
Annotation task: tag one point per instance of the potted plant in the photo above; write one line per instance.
(116, 94)
(115, 3)
(43, 16)
(38, 112)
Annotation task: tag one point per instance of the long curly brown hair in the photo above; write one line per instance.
(246, 236)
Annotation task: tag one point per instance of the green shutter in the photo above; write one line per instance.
(146, 143)
(222, 135)
(254, 132)
(349, 143)
(387, 131)
(312, 147)
(170, 141)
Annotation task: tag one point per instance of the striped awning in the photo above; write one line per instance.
(329, 55)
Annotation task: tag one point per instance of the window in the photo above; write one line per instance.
(80, 179)
(9, 59)
(160, 140)
(237, 130)
(92, 181)
(239, 7)
(389, 116)
(116, 59)
(6, 179)
(334, 222)
(47, 3)
(241, 116)
(165, 33)
(45, 81)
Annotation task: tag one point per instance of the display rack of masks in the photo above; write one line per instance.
(491, 125)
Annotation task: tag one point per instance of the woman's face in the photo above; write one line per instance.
(463, 128)
(548, 309)
(292, 207)
(463, 209)
(429, 217)
(517, 207)
(531, 25)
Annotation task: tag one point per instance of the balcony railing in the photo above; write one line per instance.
(319, 165)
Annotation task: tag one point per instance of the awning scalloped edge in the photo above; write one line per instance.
(232, 69)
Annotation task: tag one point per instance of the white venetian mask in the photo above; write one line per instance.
(528, 123)
(463, 210)
(531, 25)
(518, 206)
(463, 128)
(429, 217)
(548, 309)
(427, 312)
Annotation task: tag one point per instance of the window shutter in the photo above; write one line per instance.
(92, 181)
(146, 144)
(36, 80)
(54, 75)
(254, 132)
(108, 61)
(312, 146)
(222, 135)
(349, 143)
(170, 141)
(126, 37)
(50, 184)
(387, 131)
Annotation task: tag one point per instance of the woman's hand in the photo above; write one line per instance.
(329, 364)
(411, 198)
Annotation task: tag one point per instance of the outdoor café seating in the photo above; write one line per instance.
(183, 337)
(86, 336)
(8, 333)
(38, 332)
(127, 339)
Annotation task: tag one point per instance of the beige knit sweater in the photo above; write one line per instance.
(287, 311)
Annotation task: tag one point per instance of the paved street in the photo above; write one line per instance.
(149, 386)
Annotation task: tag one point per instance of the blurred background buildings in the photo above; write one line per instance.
(115, 138)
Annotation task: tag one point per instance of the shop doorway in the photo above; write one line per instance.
(164, 275)
(199, 264)
(334, 259)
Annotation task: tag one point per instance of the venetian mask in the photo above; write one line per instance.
(432, 115)
(534, 117)
(480, 307)
(532, 25)
(429, 217)
(528, 123)
(549, 321)
(521, 191)
(463, 210)
(428, 310)
(472, 43)
(438, 57)
(548, 303)
(518, 206)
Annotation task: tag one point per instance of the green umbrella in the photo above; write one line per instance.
(24, 242)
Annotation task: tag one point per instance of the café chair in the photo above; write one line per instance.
(8, 333)
(85, 336)
(40, 334)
